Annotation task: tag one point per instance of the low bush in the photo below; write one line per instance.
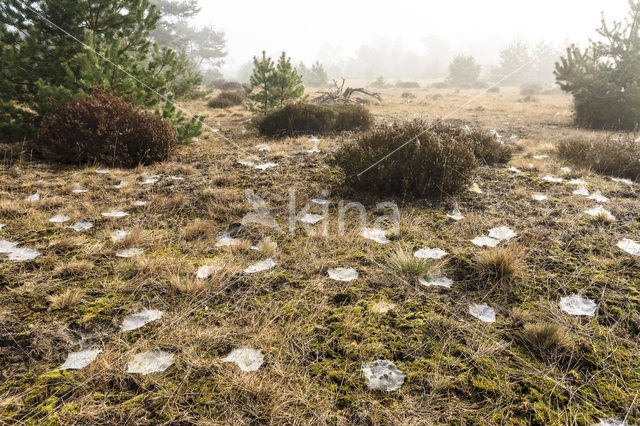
(222, 84)
(530, 89)
(439, 162)
(614, 155)
(408, 95)
(227, 99)
(484, 144)
(302, 118)
(104, 129)
(408, 85)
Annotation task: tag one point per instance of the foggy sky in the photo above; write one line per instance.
(332, 30)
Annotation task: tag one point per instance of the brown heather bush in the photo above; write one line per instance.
(615, 155)
(104, 129)
(438, 164)
(302, 118)
(227, 99)
(222, 84)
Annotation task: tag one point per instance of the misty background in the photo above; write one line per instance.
(400, 39)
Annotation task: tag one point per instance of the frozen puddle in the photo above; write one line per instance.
(552, 179)
(600, 211)
(343, 274)
(150, 362)
(263, 265)
(248, 359)
(115, 214)
(311, 218)
(485, 241)
(142, 318)
(629, 246)
(22, 254)
(119, 235)
(539, 197)
(597, 196)
(59, 219)
(430, 253)
(383, 375)
(482, 312)
(436, 282)
(376, 234)
(502, 233)
(581, 191)
(578, 305)
(81, 226)
(130, 252)
(78, 360)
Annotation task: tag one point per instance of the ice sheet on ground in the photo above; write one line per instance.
(140, 319)
(484, 241)
(597, 196)
(59, 219)
(246, 163)
(383, 375)
(539, 197)
(376, 234)
(577, 182)
(598, 211)
(130, 252)
(265, 166)
(552, 179)
(343, 274)
(578, 305)
(21, 254)
(320, 201)
(311, 218)
(629, 246)
(78, 360)
(114, 213)
(620, 180)
(7, 246)
(34, 197)
(227, 241)
(482, 312)
(150, 362)
(430, 253)
(205, 271)
(455, 215)
(120, 234)
(81, 226)
(437, 282)
(581, 191)
(502, 233)
(263, 265)
(248, 359)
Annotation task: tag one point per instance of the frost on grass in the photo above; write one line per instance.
(383, 375)
(376, 234)
(119, 235)
(552, 179)
(430, 253)
(140, 319)
(436, 282)
(485, 241)
(600, 211)
(482, 312)
(263, 265)
(581, 191)
(34, 197)
(455, 215)
(539, 197)
(130, 252)
(343, 274)
(502, 233)
(578, 305)
(115, 214)
(150, 362)
(60, 219)
(81, 226)
(597, 196)
(629, 246)
(248, 359)
(311, 218)
(78, 360)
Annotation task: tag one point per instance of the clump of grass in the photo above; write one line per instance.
(164, 203)
(614, 155)
(66, 299)
(408, 95)
(227, 98)
(405, 263)
(500, 265)
(197, 229)
(546, 340)
(78, 268)
(267, 247)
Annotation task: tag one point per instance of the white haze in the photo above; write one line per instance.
(332, 31)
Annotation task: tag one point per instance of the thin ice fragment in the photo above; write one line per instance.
(263, 265)
(502, 233)
(59, 219)
(578, 305)
(629, 246)
(81, 226)
(140, 319)
(482, 312)
(430, 253)
(248, 359)
(377, 235)
(150, 362)
(343, 274)
(485, 241)
(130, 252)
(383, 375)
(311, 218)
(437, 282)
(78, 360)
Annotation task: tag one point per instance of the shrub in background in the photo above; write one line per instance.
(530, 89)
(297, 119)
(408, 84)
(463, 70)
(439, 163)
(104, 129)
(222, 84)
(227, 99)
(484, 144)
(614, 155)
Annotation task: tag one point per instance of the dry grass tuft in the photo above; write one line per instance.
(500, 265)
(79, 268)
(546, 340)
(197, 229)
(164, 203)
(66, 299)
(405, 263)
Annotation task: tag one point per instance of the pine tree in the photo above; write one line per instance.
(516, 64)
(287, 82)
(44, 61)
(315, 76)
(463, 70)
(604, 78)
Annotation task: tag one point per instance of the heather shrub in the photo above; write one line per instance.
(484, 144)
(614, 155)
(408, 84)
(302, 118)
(227, 99)
(222, 84)
(104, 129)
(438, 163)
(408, 95)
